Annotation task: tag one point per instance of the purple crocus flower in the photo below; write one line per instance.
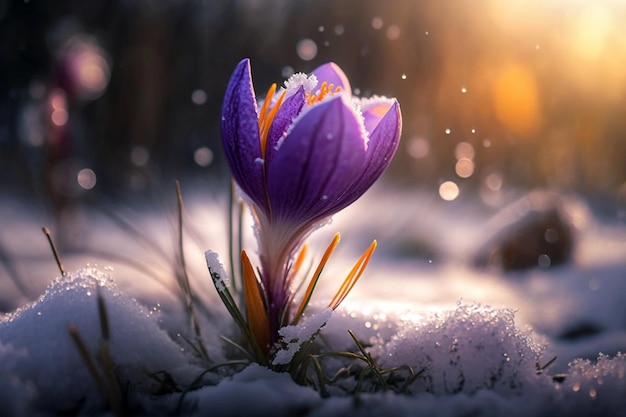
(307, 151)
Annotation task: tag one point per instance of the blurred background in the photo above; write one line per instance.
(112, 99)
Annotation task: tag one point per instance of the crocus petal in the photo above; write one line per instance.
(373, 112)
(320, 157)
(287, 112)
(240, 133)
(332, 74)
(382, 146)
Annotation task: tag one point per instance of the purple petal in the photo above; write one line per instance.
(316, 163)
(285, 115)
(382, 146)
(240, 133)
(374, 111)
(332, 74)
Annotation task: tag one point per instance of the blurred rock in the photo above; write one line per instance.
(538, 230)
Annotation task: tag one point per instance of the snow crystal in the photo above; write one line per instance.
(43, 354)
(594, 389)
(465, 350)
(296, 335)
(218, 273)
(308, 82)
(263, 393)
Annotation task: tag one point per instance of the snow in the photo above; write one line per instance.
(38, 349)
(476, 336)
(294, 336)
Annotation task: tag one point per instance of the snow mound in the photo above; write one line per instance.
(465, 350)
(255, 391)
(36, 349)
(594, 389)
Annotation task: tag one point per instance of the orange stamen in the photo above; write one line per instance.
(324, 90)
(299, 260)
(266, 103)
(266, 123)
(309, 291)
(352, 277)
(255, 309)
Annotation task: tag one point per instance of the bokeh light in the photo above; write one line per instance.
(86, 178)
(535, 89)
(449, 191)
(306, 49)
(203, 156)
